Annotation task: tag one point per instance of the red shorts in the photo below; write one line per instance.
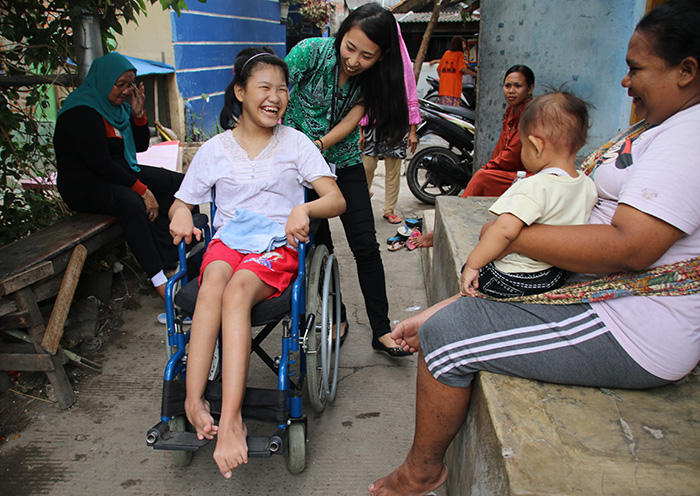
(275, 268)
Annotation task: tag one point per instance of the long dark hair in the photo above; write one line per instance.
(383, 90)
(675, 30)
(246, 61)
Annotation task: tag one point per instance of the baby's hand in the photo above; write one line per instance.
(469, 281)
(297, 227)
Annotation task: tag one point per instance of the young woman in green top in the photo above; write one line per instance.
(335, 81)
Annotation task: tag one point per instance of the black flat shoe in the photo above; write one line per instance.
(396, 352)
(344, 335)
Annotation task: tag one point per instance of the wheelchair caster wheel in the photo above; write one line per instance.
(180, 458)
(296, 447)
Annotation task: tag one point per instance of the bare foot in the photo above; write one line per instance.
(406, 332)
(198, 414)
(424, 241)
(231, 449)
(406, 482)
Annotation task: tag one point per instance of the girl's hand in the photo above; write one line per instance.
(151, 205)
(138, 98)
(362, 140)
(297, 228)
(181, 227)
(469, 281)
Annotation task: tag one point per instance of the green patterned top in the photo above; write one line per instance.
(313, 75)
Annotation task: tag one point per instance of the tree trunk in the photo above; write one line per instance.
(426, 38)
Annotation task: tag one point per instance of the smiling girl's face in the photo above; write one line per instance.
(357, 52)
(265, 96)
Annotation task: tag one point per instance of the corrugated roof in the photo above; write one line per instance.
(445, 16)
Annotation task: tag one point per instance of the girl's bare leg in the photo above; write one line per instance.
(243, 291)
(205, 330)
(440, 412)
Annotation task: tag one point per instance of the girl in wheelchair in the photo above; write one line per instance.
(259, 169)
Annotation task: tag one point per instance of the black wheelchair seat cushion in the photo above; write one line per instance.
(265, 312)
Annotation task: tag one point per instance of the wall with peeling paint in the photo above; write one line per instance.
(578, 42)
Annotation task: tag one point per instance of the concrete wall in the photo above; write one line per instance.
(206, 40)
(579, 42)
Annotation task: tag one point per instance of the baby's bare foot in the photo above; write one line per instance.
(231, 449)
(198, 415)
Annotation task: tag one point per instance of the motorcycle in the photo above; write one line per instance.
(468, 92)
(436, 170)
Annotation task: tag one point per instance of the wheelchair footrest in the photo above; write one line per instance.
(160, 437)
(264, 446)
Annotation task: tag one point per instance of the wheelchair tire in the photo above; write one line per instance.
(296, 447)
(313, 384)
(180, 458)
(323, 300)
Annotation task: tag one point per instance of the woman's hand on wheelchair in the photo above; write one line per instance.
(297, 228)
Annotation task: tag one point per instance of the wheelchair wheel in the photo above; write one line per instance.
(180, 458)
(296, 447)
(323, 300)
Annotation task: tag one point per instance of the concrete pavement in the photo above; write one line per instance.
(98, 446)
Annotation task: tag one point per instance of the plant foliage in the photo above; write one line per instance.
(36, 38)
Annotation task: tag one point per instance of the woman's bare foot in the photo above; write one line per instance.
(231, 448)
(405, 334)
(424, 240)
(198, 414)
(405, 481)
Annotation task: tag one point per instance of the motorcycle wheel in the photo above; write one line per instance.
(434, 98)
(423, 182)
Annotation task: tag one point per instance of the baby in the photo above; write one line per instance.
(553, 128)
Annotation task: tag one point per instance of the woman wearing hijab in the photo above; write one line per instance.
(101, 126)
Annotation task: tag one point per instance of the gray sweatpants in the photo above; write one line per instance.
(563, 344)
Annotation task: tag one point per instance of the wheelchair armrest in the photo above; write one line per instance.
(200, 220)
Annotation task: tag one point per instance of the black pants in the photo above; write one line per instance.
(358, 223)
(150, 242)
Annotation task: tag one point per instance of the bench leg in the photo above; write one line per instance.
(57, 321)
(59, 379)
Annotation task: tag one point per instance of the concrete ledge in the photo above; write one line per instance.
(529, 438)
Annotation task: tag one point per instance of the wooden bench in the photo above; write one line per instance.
(40, 266)
(530, 438)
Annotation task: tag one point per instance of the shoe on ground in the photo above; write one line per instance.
(395, 352)
(163, 320)
(414, 223)
(404, 231)
(392, 218)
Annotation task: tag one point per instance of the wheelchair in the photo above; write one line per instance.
(309, 311)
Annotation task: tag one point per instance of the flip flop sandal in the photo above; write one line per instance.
(392, 218)
(397, 238)
(410, 242)
(413, 223)
(396, 245)
(404, 231)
